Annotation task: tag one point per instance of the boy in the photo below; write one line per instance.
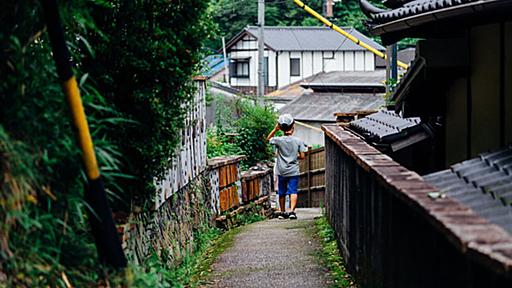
(289, 150)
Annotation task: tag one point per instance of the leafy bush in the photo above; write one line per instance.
(147, 63)
(253, 127)
(244, 135)
(134, 62)
(219, 144)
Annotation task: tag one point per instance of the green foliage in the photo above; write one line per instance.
(248, 218)
(39, 239)
(331, 256)
(134, 62)
(252, 129)
(243, 133)
(149, 81)
(231, 17)
(219, 144)
(156, 272)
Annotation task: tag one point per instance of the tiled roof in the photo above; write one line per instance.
(448, 15)
(414, 8)
(483, 183)
(315, 38)
(385, 126)
(321, 107)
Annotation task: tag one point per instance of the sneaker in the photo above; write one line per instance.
(281, 215)
(292, 216)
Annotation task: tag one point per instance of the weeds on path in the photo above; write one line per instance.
(331, 256)
(195, 267)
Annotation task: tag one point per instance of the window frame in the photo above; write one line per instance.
(298, 67)
(234, 70)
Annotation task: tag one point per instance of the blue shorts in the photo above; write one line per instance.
(287, 185)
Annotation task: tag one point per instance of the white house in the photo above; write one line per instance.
(294, 53)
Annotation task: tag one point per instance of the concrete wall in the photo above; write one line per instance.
(311, 63)
(308, 135)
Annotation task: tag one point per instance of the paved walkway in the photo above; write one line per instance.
(273, 253)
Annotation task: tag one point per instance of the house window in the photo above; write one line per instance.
(295, 67)
(239, 68)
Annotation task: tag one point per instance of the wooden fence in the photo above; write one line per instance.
(392, 234)
(312, 178)
(224, 173)
(190, 158)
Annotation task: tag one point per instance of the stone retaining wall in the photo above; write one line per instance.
(169, 229)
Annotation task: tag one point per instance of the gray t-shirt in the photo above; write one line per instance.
(288, 148)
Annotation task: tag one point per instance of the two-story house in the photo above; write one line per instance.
(293, 54)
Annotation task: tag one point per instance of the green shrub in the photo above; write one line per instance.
(219, 144)
(134, 62)
(252, 128)
(244, 135)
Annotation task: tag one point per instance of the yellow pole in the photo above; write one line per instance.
(344, 33)
(74, 100)
(102, 223)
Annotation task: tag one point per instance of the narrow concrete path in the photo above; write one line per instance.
(273, 253)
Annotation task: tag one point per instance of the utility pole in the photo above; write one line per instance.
(226, 66)
(388, 68)
(391, 66)
(261, 50)
(394, 62)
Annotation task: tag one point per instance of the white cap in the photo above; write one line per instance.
(285, 119)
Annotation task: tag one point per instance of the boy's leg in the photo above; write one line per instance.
(293, 186)
(293, 201)
(282, 185)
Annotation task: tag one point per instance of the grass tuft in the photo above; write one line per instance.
(330, 255)
(193, 271)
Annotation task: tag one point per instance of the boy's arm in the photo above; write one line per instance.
(302, 150)
(273, 132)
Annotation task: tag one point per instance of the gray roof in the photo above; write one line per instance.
(483, 183)
(281, 38)
(320, 107)
(369, 78)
